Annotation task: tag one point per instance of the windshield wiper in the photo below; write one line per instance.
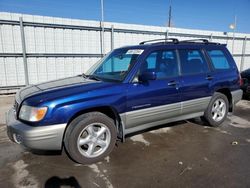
(93, 77)
(83, 75)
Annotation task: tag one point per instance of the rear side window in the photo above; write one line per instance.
(192, 62)
(219, 60)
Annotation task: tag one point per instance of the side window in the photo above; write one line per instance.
(163, 62)
(167, 64)
(192, 62)
(219, 60)
(151, 60)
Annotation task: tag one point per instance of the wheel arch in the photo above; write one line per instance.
(107, 110)
(228, 94)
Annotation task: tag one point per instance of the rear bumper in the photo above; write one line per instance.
(40, 138)
(236, 96)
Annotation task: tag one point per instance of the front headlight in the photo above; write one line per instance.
(33, 114)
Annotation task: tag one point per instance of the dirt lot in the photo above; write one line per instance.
(182, 154)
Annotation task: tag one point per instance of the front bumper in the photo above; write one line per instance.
(39, 138)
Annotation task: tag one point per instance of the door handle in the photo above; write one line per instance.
(209, 77)
(172, 83)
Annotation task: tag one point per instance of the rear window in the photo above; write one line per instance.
(219, 60)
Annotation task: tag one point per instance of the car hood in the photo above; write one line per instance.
(60, 87)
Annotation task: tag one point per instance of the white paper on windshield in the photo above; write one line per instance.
(134, 51)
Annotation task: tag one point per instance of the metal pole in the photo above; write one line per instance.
(170, 13)
(112, 47)
(102, 25)
(24, 52)
(4, 64)
(235, 19)
(112, 37)
(243, 54)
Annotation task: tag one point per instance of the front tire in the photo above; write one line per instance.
(217, 110)
(90, 137)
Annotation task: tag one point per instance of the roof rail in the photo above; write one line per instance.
(194, 40)
(202, 40)
(174, 40)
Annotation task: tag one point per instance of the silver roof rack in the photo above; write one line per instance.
(174, 40)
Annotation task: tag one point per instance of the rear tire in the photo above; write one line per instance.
(90, 137)
(217, 110)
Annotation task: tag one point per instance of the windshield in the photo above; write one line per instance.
(115, 66)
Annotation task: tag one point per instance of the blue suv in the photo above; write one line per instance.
(131, 89)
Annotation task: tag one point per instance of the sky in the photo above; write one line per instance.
(192, 14)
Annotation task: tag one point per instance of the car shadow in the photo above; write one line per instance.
(198, 121)
(44, 152)
(246, 97)
(155, 128)
(56, 182)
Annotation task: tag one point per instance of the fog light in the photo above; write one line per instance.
(17, 138)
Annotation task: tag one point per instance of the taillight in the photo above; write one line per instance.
(240, 80)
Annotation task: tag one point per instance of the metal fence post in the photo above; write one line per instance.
(4, 64)
(24, 52)
(167, 33)
(112, 46)
(211, 37)
(112, 37)
(243, 54)
(102, 27)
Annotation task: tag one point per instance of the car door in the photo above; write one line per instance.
(150, 103)
(195, 81)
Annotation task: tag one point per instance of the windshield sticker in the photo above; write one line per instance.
(135, 51)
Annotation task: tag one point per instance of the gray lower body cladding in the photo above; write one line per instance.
(149, 117)
(145, 118)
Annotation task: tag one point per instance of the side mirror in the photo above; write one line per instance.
(146, 76)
